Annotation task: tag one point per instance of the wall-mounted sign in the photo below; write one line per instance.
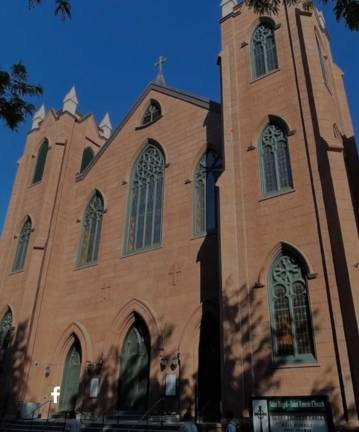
(171, 385)
(291, 414)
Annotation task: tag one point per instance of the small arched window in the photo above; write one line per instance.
(263, 49)
(152, 113)
(40, 162)
(276, 173)
(290, 312)
(323, 62)
(22, 245)
(87, 157)
(91, 231)
(146, 199)
(207, 172)
(5, 330)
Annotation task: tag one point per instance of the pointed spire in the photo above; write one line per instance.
(70, 101)
(227, 7)
(38, 117)
(160, 79)
(106, 126)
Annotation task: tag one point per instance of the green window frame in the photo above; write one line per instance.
(207, 171)
(323, 62)
(144, 219)
(87, 156)
(152, 113)
(5, 330)
(275, 166)
(22, 246)
(40, 162)
(263, 50)
(91, 231)
(291, 323)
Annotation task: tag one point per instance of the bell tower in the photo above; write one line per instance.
(289, 189)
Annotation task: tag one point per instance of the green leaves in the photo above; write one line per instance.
(13, 89)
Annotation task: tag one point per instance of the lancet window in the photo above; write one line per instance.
(264, 52)
(22, 246)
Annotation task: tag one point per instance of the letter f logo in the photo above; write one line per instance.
(55, 394)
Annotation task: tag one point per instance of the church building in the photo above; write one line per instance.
(200, 254)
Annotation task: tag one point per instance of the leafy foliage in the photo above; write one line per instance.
(13, 89)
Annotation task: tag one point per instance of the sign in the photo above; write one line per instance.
(291, 414)
(94, 388)
(55, 394)
(171, 385)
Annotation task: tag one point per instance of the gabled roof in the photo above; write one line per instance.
(164, 89)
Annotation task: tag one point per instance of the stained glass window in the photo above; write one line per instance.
(290, 313)
(264, 53)
(91, 231)
(22, 245)
(5, 330)
(152, 113)
(204, 194)
(146, 199)
(275, 163)
(87, 157)
(323, 63)
(40, 162)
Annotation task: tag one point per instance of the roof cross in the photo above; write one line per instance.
(159, 65)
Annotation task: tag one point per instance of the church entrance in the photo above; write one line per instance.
(135, 368)
(71, 378)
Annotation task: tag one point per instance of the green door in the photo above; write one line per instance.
(134, 367)
(71, 378)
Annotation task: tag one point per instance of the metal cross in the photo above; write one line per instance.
(260, 414)
(174, 272)
(159, 65)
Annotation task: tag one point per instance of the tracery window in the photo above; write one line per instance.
(204, 194)
(264, 53)
(323, 63)
(40, 162)
(146, 200)
(290, 313)
(87, 157)
(22, 245)
(276, 173)
(91, 231)
(5, 330)
(152, 113)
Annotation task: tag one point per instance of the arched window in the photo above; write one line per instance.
(152, 113)
(146, 199)
(323, 62)
(264, 53)
(5, 330)
(22, 245)
(91, 231)
(276, 173)
(87, 157)
(290, 312)
(40, 162)
(204, 194)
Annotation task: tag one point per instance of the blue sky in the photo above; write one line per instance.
(108, 51)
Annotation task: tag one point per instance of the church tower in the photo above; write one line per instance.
(288, 196)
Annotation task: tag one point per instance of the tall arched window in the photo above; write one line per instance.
(290, 313)
(22, 245)
(152, 113)
(146, 200)
(5, 330)
(323, 62)
(264, 53)
(91, 231)
(40, 162)
(87, 157)
(204, 194)
(276, 173)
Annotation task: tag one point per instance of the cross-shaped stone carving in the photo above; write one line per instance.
(159, 65)
(260, 414)
(174, 272)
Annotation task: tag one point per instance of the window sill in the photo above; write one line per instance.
(35, 184)
(15, 272)
(204, 235)
(298, 364)
(254, 80)
(277, 194)
(140, 251)
(148, 124)
(85, 266)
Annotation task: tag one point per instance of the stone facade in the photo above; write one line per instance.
(203, 299)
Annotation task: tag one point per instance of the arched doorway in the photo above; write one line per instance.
(71, 378)
(135, 368)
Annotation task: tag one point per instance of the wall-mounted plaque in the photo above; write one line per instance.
(294, 414)
(171, 385)
(94, 388)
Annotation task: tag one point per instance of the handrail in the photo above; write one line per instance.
(146, 414)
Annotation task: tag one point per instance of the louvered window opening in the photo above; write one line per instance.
(204, 201)
(323, 63)
(5, 330)
(291, 319)
(87, 157)
(153, 112)
(91, 231)
(40, 162)
(275, 162)
(22, 246)
(146, 200)
(264, 51)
